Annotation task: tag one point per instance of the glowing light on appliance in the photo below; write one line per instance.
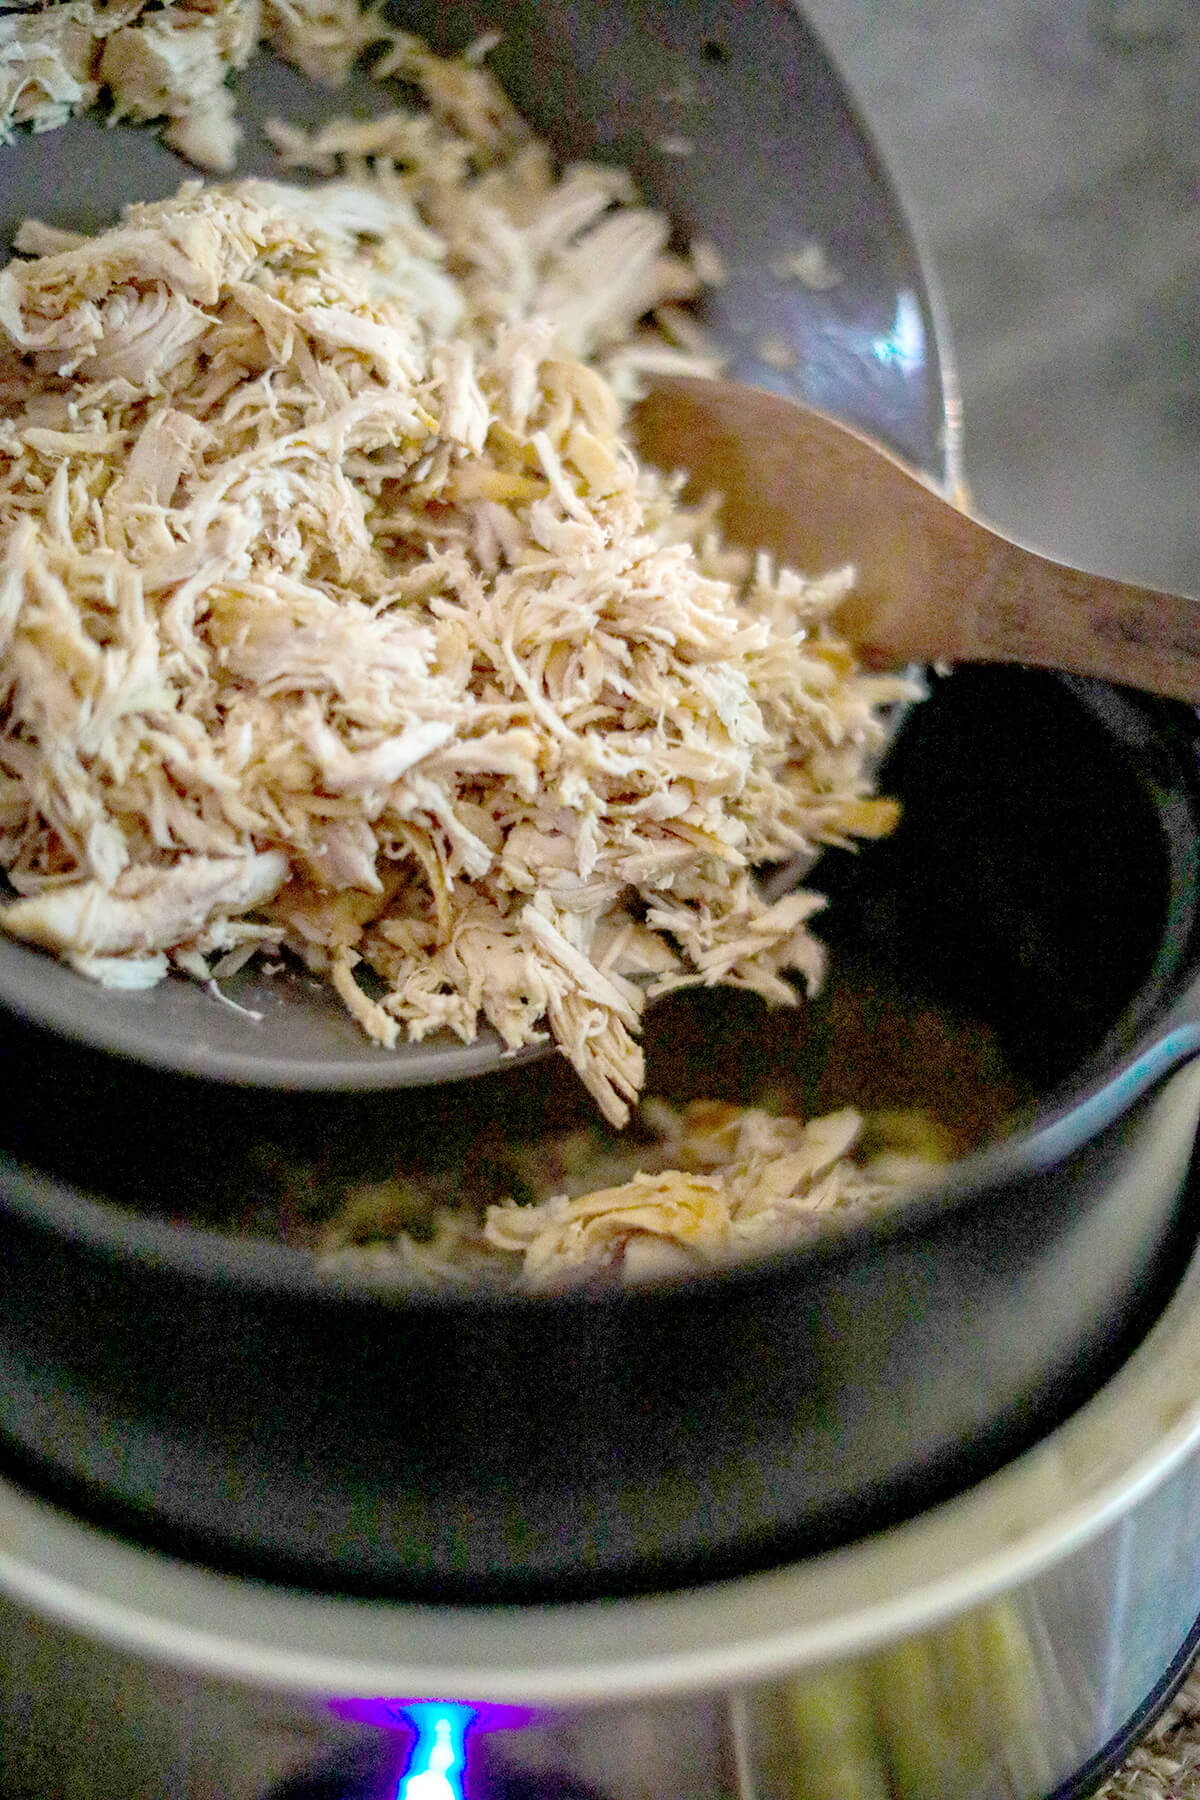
(435, 1769)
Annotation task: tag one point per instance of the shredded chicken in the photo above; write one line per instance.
(168, 60)
(764, 1183)
(721, 1184)
(334, 608)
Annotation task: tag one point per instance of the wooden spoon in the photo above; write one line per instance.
(934, 584)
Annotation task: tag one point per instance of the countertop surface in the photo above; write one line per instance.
(1049, 151)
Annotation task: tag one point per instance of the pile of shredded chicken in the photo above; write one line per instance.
(166, 59)
(718, 1184)
(335, 612)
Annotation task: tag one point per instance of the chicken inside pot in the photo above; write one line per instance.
(760, 1158)
(762, 1127)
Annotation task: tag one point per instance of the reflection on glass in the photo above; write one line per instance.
(903, 347)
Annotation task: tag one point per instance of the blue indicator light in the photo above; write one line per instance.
(435, 1770)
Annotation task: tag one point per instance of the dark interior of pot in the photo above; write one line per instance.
(211, 1393)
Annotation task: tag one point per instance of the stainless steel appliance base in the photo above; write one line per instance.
(366, 1778)
(1097, 1771)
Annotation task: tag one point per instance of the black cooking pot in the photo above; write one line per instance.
(219, 1396)
(226, 1400)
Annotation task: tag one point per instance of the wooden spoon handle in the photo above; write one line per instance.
(1025, 608)
(934, 584)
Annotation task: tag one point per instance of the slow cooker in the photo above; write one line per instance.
(1007, 1642)
(908, 1513)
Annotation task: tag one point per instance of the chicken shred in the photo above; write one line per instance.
(326, 568)
(168, 60)
(721, 1184)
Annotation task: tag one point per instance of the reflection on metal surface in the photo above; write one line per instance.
(904, 345)
(956, 1711)
(1006, 1701)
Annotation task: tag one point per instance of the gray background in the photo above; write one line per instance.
(1050, 152)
